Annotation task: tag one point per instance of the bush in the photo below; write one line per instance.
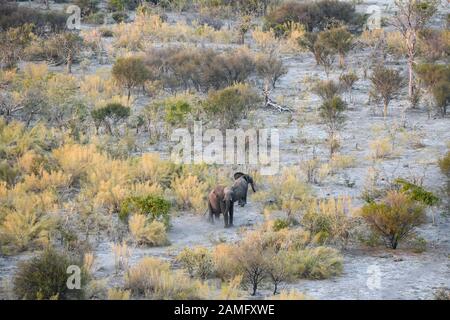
(313, 15)
(45, 277)
(270, 69)
(327, 89)
(337, 40)
(436, 79)
(229, 105)
(386, 85)
(12, 16)
(395, 218)
(197, 261)
(288, 193)
(280, 224)
(148, 233)
(331, 112)
(110, 115)
(200, 69)
(329, 221)
(417, 193)
(119, 17)
(190, 193)
(177, 111)
(153, 207)
(442, 294)
(153, 279)
(130, 73)
(317, 263)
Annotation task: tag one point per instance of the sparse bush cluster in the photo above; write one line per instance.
(275, 257)
(205, 69)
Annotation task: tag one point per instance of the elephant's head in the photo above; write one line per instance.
(246, 177)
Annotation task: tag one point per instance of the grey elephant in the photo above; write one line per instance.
(222, 199)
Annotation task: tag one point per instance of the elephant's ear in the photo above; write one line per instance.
(237, 175)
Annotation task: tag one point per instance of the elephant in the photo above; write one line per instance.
(222, 199)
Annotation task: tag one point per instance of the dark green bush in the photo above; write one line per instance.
(154, 207)
(45, 277)
(110, 115)
(313, 15)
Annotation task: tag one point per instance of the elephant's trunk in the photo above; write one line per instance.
(253, 187)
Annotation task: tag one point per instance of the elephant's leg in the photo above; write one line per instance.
(225, 219)
(231, 215)
(211, 213)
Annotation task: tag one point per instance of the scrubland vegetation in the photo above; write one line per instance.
(86, 118)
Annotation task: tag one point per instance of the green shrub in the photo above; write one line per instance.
(154, 207)
(177, 111)
(395, 218)
(130, 72)
(45, 277)
(417, 193)
(228, 105)
(110, 115)
(197, 261)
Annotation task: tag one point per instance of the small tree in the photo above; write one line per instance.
(347, 80)
(67, 46)
(412, 16)
(337, 40)
(130, 72)
(327, 89)
(308, 41)
(386, 84)
(110, 115)
(324, 56)
(270, 69)
(245, 24)
(250, 257)
(278, 267)
(394, 218)
(331, 112)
